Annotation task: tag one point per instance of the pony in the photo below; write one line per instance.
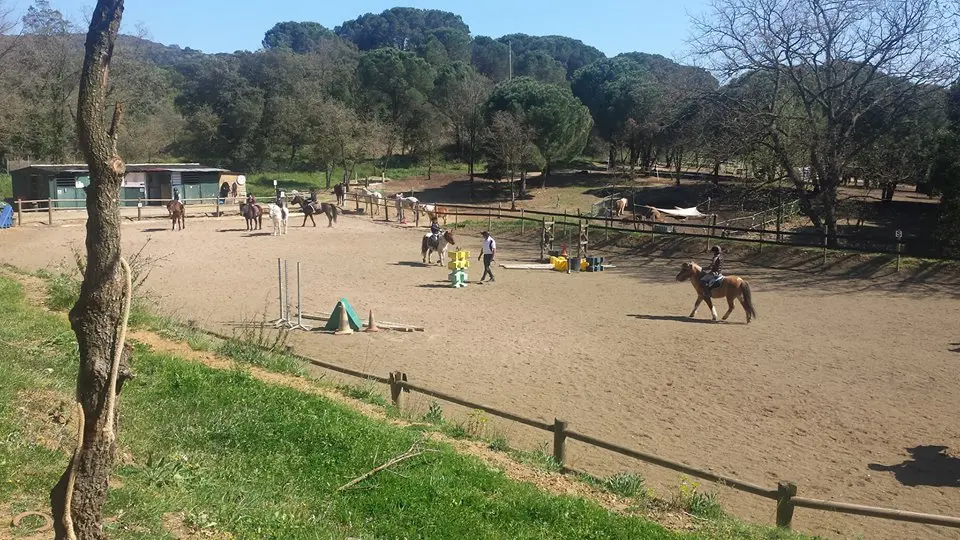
(648, 213)
(253, 213)
(731, 287)
(406, 203)
(177, 214)
(434, 212)
(427, 247)
(278, 215)
(620, 205)
(309, 209)
(374, 198)
(341, 194)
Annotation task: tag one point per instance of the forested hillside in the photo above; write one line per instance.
(794, 93)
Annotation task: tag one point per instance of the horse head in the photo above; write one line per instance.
(448, 236)
(688, 270)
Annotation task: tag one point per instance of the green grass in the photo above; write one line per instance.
(262, 461)
(6, 186)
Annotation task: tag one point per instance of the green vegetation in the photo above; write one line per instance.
(256, 460)
(6, 186)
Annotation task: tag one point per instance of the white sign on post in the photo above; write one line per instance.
(274, 183)
(899, 234)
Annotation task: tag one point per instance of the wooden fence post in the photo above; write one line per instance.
(49, 211)
(140, 208)
(559, 442)
(416, 214)
(396, 389)
(824, 244)
(489, 215)
(356, 199)
(19, 213)
(386, 210)
(785, 492)
(456, 217)
(521, 221)
(218, 207)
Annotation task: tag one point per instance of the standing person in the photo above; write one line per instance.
(488, 251)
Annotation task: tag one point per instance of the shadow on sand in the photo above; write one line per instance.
(931, 466)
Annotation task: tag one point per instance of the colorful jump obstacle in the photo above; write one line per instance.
(459, 262)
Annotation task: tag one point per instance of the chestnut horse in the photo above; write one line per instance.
(732, 287)
(175, 208)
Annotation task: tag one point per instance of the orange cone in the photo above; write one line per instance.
(372, 325)
(344, 322)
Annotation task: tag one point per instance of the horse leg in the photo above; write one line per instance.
(713, 309)
(730, 297)
(311, 220)
(696, 306)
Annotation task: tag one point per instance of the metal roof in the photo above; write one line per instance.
(131, 167)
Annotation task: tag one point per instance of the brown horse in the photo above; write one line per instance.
(341, 193)
(310, 208)
(177, 214)
(732, 287)
(253, 213)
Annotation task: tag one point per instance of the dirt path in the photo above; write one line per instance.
(830, 388)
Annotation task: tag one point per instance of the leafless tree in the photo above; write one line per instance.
(99, 316)
(829, 66)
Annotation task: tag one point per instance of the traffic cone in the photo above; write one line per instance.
(372, 325)
(344, 322)
(563, 253)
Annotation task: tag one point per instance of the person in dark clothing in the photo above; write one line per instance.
(176, 194)
(712, 274)
(487, 253)
(435, 230)
(313, 195)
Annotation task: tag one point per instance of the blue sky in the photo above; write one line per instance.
(613, 26)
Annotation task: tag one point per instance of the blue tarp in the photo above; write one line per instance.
(6, 217)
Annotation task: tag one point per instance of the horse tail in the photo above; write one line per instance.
(748, 300)
(424, 245)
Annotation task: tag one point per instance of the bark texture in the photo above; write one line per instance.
(97, 315)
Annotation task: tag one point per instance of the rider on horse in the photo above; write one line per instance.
(176, 194)
(251, 199)
(313, 195)
(434, 231)
(712, 274)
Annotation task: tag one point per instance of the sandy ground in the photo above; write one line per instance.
(829, 388)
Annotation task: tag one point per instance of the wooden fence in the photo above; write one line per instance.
(710, 230)
(784, 494)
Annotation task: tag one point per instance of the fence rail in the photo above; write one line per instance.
(784, 494)
(861, 243)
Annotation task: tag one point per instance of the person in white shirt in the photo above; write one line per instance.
(487, 253)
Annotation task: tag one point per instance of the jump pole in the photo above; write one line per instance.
(299, 325)
(283, 320)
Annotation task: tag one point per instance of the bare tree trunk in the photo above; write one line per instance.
(98, 312)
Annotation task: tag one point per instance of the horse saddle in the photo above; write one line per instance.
(433, 241)
(711, 281)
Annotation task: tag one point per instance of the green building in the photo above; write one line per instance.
(151, 183)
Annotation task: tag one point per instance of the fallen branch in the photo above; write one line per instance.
(413, 452)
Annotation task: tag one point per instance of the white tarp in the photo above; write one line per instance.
(682, 213)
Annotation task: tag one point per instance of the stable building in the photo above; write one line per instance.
(149, 183)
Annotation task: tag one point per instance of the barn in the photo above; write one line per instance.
(63, 184)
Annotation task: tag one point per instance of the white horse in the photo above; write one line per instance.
(279, 215)
(427, 247)
(375, 198)
(621, 204)
(406, 203)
